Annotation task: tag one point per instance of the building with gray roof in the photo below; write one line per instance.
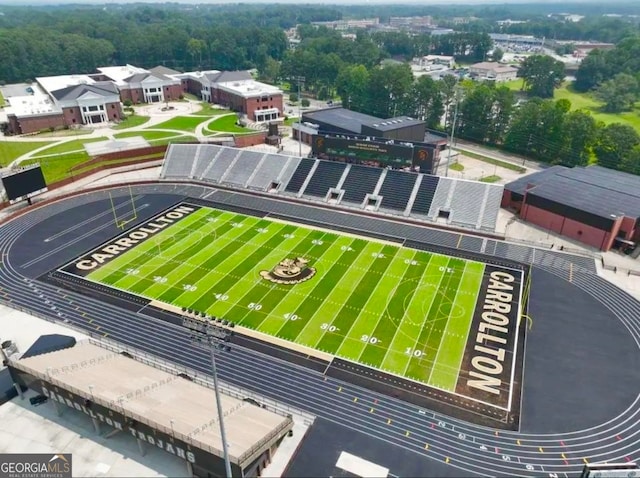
(594, 205)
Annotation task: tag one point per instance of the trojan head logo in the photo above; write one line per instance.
(422, 155)
(290, 271)
(319, 142)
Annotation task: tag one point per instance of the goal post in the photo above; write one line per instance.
(128, 216)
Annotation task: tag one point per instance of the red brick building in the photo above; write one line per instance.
(237, 91)
(597, 206)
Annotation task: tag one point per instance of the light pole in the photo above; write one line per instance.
(209, 336)
(300, 80)
(453, 128)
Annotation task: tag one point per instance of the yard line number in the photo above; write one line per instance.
(329, 328)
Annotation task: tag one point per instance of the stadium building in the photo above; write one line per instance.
(340, 134)
(594, 205)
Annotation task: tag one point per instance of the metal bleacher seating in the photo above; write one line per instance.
(179, 161)
(360, 181)
(466, 203)
(491, 207)
(439, 201)
(243, 168)
(206, 155)
(219, 167)
(300, 175)
(461, 203)
(326, 176)
(426, 192)
(396, 189)
(268, 171)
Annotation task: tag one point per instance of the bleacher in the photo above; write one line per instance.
(460, 203)
(426, 192)
(242, 169)
(360, 181)
(326, 176)
(396, 189)
(300, 175)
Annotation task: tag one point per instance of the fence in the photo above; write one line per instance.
(616, 269)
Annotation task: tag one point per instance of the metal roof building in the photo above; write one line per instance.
(595, 205)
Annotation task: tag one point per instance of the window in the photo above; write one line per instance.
(113, 107)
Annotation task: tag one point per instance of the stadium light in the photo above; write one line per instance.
(208, 336)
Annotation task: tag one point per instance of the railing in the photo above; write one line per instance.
(609, 267)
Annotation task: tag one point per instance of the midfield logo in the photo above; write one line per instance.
(290, 271)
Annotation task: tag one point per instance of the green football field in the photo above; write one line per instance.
(399, 310)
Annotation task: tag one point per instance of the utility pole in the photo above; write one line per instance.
(453, 128)
(300, 80)
(206, 335)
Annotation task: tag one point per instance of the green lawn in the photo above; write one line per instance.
(56, 168)
(2, 102)
(69, 146)
(131, 121)
(227, 124)
(63, 133)
(495, 162)
(207, 109)
(10, 150)
(181, 123)
(588, 102)
(456, 167)
(490, 179)
(396, 309)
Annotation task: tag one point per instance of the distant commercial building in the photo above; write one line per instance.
(434, 62)
(349, 24)
(487, 70)
(411, 22)
(594, 205)
(238, 91)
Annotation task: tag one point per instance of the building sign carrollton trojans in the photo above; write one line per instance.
(290, 271)
(112, 249)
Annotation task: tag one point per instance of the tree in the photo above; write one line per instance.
(631, 161)
(593, 70)
(614, 143)
(389, 90)
(352, 85)
(270, 72)
(619, 93)
(448, 91)
(541, 74)
(497, 54)
(196, 47)
(580, 129)
(476, 113)
(427, 103)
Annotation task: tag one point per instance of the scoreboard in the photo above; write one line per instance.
(24, 184)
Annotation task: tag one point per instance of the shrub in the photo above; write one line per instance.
(127, 103)
(305, 102)
(293, 97)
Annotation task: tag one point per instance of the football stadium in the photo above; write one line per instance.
(383, 304)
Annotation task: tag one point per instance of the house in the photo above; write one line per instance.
(238, 91)
(488, 70)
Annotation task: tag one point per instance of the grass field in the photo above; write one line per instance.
(10, 150)
(400, 310)
(181, 123)
(227, 124)
(131, 121)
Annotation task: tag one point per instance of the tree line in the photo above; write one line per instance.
(62, 40)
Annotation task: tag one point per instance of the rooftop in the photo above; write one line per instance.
(161, 399)
(119, 73)
(394, 123)
(101, 88)
(28, 100)
(341, 118)
(249, 88)
(600, 191)
(53, 83)
(490, 65)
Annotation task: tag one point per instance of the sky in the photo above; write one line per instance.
(308, 2)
